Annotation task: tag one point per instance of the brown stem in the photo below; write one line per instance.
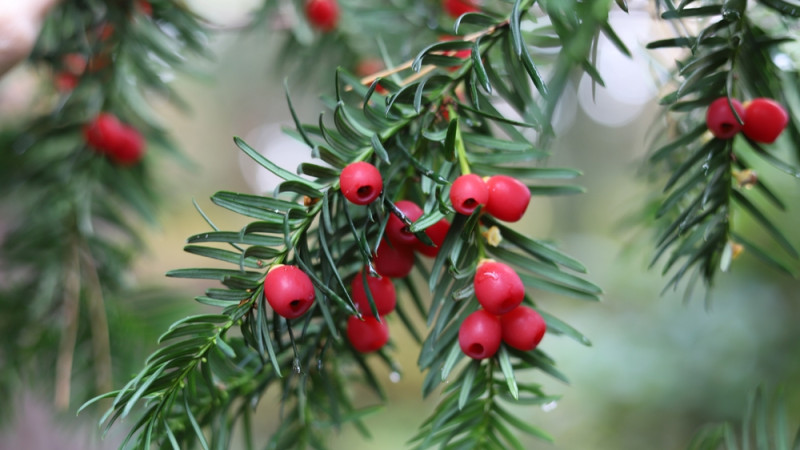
(69, 333)
(98, 323)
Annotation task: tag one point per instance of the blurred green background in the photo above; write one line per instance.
(658, 368)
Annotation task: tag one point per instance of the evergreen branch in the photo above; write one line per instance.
(704, 181)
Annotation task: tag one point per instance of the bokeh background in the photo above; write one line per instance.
(659, 366)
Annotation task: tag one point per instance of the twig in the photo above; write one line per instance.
(69, 335)
(98, 322)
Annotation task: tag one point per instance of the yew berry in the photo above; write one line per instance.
(382, 290)
(523, 328)
(121, 143)
(289, 291)
(508, 198)
(323, 14)
(764, 120)
(437, 232)
(367, 335)
(720, 119)
(467, 193)
(145, 7)
(65, 81)
(129, 147)
(369, 67)
(396, 230)
(480, 334)
(102, 131)
(394, 261)
(361, 183)
(455, 8)
(497, 287)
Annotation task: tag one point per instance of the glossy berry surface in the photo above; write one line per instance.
(480, 334)
(508, 198)
(123, 144)
(467, 193)
(382, 290)
(103, 132)
(764, 120)
(523, 328)
(361, 183)
(394, 261)
(498, 288)
(720, 119)
(455, 8)
(396, 230)
(437, 232)
(289, 291)
(367, 335)
(323, 14)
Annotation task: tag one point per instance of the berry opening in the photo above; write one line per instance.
(476, 349)
(364, 192)
(470, 203)
(296, 305)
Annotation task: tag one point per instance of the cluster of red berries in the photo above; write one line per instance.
(121, 143)
(763, 119)
(502, 317)
(323, 14)
(502, 196)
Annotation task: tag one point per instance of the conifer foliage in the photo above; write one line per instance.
(422, 163)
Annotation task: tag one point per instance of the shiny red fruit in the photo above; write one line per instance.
(480, 334)
(467, 193)
(382, 290)
(103, 131)
(396, 230)
(508, 198)
(323, 14)
(720, 119)
(361, 183)
(455, 8)
(498, 288)
(394, 261)
(128, 148)
(367, 335)
(523, 328)
(764, 120)
(437, 232)
(289, 291)
(65, 81)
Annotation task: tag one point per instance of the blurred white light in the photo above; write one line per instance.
(280, 148)
(629, 84)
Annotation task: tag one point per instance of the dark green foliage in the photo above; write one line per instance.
(708, 180)
(421, 135)
(76, 213)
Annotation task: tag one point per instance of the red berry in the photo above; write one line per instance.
(460, 54)
(437, 232)
(74, 63)
(720, 119)
(479, 335)
(467, 192)
(523, 328)
(382, 290)
(102, 131)
(369, 67)
(764, 120)
(394, 261)
(65, 81)
(508, 198)
(497, 287)
(128, 148)
(367, 335)
(361, 183)
(455, 8)
(289, 291)
(145, 7)
(396, 230)
(323, 14)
